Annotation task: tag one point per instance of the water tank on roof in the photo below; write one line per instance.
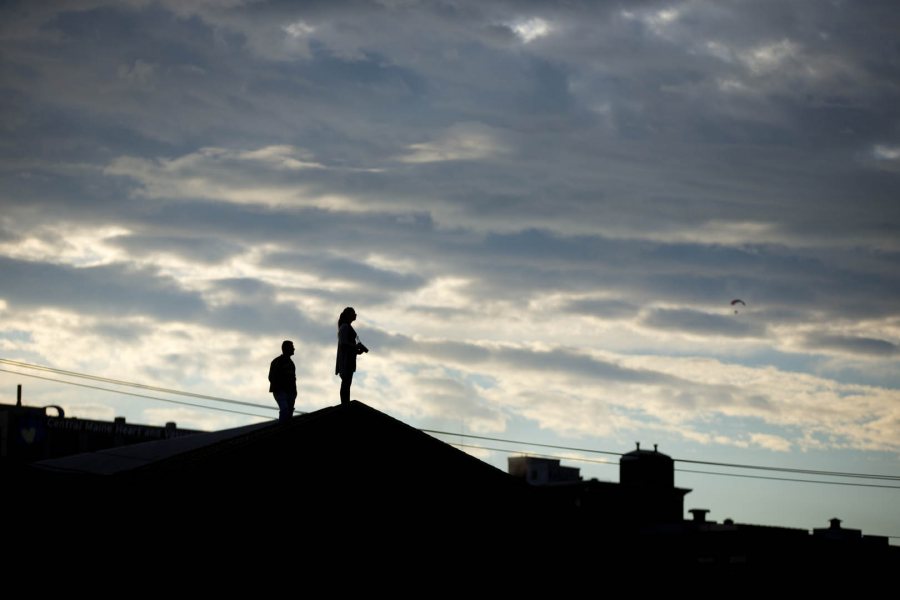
(647, 468)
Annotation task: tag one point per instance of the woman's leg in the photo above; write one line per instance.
(346, 380)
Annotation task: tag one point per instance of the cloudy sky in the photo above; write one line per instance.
(541, 212)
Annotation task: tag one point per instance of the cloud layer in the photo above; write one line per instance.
(541, 211)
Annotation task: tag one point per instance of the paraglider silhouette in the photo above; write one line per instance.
(735, 302)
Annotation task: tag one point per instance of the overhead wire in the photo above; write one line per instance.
(152, 388)
(818, 472)
(588, 460)
(182, 402)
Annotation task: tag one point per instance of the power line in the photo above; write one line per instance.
(152, 388)
(588, 460)
(719, 464)
(874, 485)
(95, 387)
(433, 431)
(493, 439)
(789, 470)
(507, 450)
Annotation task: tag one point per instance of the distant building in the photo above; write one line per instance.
(358, 486)
(646, 511)
(541, 471)
(645, 494)
(29, 433)
(837, 533)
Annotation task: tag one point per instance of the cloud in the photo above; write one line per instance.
(770, 56)
(531, 29)
(700, 323)
(865, 346)
(884, 152)
(108, 290)
(204, 250)
(299, 29)
(771, 442)
(346, 272)
(537, 221)
(603, 308)
(467, 141)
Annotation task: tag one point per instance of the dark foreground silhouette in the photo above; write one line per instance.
(349, 484)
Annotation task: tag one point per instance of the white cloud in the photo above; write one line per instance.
(885, 152)
(282, 157)
(70, 244)
(771, 442)
(531, 29)
(658, 21)
(460, 142)
(226, 175)
(769, 57)
(299, 29)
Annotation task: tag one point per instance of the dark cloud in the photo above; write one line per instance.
(853, 345)
(620, 157)
(204, 250)
(267, 318)
(559, 361)
(603, 309)
(245, 287)
(582, 365)
(579, 130)
(839, 282)
(345, 271)
(7, 236)
(108, 290)
(638, 162)
(700, 323)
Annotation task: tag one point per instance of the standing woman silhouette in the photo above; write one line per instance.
(349, 347)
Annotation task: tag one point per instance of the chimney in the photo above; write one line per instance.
(699, 514)
(19, 395)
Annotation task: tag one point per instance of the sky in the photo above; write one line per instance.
(541, 212)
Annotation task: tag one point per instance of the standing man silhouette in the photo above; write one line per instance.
(349, 347)
(283, 381)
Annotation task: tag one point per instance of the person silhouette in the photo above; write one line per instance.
(349, 347)
(283, 381)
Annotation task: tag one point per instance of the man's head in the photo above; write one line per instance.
(287, 347)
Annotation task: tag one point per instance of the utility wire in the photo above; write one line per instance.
(493, 439)
(874, 485)
(507, 450)
(152, 388)
(699, 462)
(607, 462)
(789, 470)
(95, 387)
(433, 431)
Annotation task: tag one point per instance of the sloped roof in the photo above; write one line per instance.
(327, 455)
(121, 459)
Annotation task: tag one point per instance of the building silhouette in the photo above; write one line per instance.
(352, 481)
(30, 433)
